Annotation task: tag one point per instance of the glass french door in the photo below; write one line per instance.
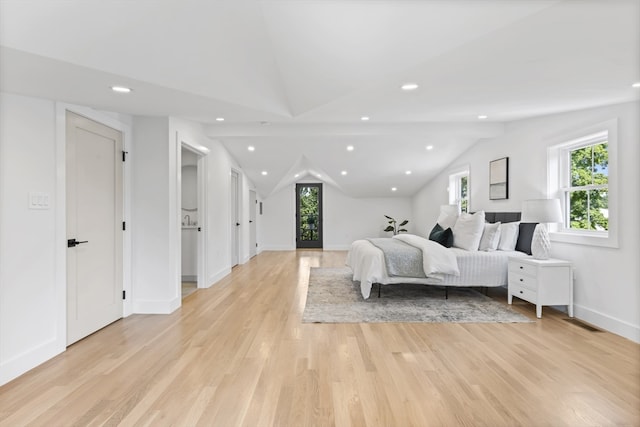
(309, 215)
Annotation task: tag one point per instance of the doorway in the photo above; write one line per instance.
(191, 211)
(189, 220)
(94, 226)
(235, 217)
(309, 216)
(253, 238)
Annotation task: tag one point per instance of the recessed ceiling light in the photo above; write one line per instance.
(343, 173)
(251, 148)
(429, 147)
(364, 118)
(264, 172)
(482, 117)
(350, 148)
(219, 119)
(121, 89)
(407, 172)
(296, 175)
(409, 86)
(394, 189)
(636, 85)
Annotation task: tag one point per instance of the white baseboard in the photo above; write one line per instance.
(18, 365)
(218, 276)
(156, 306)
(337, 247)
(608, 323)
(279, 248)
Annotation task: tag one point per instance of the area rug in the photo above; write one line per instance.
(334, 298)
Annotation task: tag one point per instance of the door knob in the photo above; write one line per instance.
(72, 243)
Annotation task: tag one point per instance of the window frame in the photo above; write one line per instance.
(455, 187)
(559, 183)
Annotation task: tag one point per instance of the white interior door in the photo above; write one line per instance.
(253, 242)
(202, 224)
(235, 220)
(94, 223)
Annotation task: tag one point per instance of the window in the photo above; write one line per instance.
(459, 189)
(586, 187)
(582, 172)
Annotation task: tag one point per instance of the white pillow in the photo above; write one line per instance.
(508, 236)
(490, 237)
(468, 231)
(448, 216)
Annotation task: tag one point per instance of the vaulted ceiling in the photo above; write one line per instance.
(293, 78)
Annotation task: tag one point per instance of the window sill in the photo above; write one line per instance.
(609, 241)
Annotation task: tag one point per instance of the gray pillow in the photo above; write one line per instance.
(525, 235)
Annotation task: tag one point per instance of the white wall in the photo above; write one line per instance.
(153, 269)
(158, 217)
(31, 306)
(217, 223)
(32, 242)
(345, 218)
(606, 291)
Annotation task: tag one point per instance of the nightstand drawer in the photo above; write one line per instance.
(516, 267)
(523, 293)
(518, 279)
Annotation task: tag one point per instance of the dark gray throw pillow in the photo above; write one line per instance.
(442, 236)
(525, 234)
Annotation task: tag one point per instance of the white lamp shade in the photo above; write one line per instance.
(541, 211)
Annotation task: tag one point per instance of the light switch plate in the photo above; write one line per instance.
(39, 200)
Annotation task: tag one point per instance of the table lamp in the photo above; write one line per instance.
(542, 211)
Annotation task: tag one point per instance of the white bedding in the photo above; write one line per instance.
(476, 268)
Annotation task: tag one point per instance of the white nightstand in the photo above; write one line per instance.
(541, 282)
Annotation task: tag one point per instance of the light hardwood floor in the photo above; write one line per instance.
(238, 354)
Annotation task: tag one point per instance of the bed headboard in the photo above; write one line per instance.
(501, 216)
(525, 233)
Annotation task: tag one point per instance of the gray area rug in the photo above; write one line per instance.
(334, 298)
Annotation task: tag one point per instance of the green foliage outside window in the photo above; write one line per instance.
(588, 193)
(464, 198)
(309, 213)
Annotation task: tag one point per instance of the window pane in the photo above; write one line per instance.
(581, 167)
(579, 210)
(463, 187)
(309, 213)
(599, 210)
(589, 210)
(601, 163)
(464, 193)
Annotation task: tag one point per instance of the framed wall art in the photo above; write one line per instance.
(499, 179)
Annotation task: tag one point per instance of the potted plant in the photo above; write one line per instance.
(395, 227)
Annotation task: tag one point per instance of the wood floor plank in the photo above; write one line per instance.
(238, 354)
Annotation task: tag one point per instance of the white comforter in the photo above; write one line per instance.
(367, 263)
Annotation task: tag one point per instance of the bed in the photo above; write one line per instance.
(475, 268)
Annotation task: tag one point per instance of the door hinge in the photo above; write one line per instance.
(124, 294)
(124, 226)
(124, 155)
